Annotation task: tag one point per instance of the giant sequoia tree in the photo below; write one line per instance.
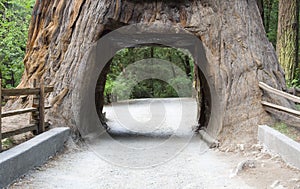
(287, 37)
(236, 47)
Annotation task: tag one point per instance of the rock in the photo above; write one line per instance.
(258, 147)
(276, 185)
(243, 165)
(241, 147)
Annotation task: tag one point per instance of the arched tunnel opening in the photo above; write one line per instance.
(174, 78)
(146, 76)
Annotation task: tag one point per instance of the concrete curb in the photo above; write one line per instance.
(280, 144)
(20, 159)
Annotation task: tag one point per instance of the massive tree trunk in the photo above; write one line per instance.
(287, 37)
(236, 47)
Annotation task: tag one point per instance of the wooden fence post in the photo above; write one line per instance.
(0, 115)
(41, 108)
(38, 102)
(35, 115)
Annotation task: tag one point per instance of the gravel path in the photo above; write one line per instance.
(84, 169)
(144, 161)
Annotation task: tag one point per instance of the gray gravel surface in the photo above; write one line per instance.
(192, 166)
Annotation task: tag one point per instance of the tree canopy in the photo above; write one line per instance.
(14, 21)
(118, 82)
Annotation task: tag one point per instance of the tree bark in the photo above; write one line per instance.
(287, 37)
(260, 4)
(232, 32)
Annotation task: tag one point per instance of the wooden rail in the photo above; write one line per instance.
(279, 93)
(37, 121)
(25, 91)
(28, 128)
(21, 111)
(282, 108)
(276, 107)
(31, 127)
(294, 91)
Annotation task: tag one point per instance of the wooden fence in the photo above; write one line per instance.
(294, 91)
(37, 120)
(286, 95)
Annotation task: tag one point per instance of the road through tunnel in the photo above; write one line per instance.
(150, 37)
(174, 76)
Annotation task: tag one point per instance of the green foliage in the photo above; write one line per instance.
(153, 88)
(293, 83)
(284, 129)
(183, 84)
(298, 107)
(14, 21)
(7, 143)
(124, 83)
(271, 19)
(296, 82)
(281, 127)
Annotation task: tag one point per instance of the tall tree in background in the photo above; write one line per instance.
(287, 37)
(269, 13)
(269, 9)
(14, 21)
(260, 4)
(271, 19)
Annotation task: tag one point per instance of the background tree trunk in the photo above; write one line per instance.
(287, 37)
(267, 14)
(232, 32)
(260, 4)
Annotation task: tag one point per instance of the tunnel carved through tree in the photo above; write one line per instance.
(236, 48)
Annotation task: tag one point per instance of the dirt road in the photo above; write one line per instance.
(145, 159)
